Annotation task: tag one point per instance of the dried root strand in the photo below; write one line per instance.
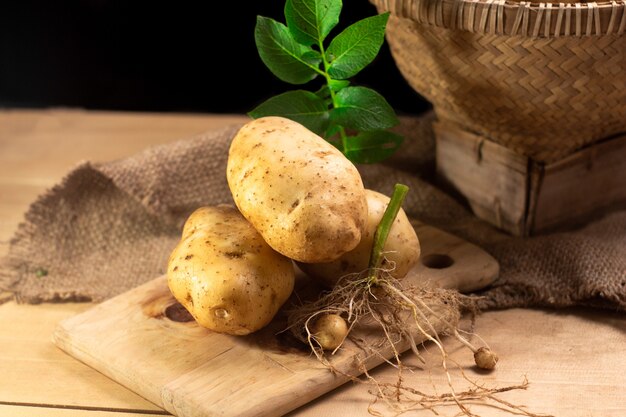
(375, 297)
(409, 399)
(400, 313)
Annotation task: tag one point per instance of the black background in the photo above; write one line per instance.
(185, 56)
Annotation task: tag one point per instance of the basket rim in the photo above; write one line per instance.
(508, 17)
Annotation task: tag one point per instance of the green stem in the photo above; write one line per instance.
(342, 131)
(382, 231)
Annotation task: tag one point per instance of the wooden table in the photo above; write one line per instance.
(575, 359)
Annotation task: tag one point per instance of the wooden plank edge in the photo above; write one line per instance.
(349, 365)
(581, 186)
(36, 410)
(524, 197)
(60, 336)
(85, 408)
(317, 385)
(490, 177)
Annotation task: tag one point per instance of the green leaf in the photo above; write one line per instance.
(301, 106)
(333, 129)
(372, 147)
(287, 59)
(363, 109)
(356, 47)
(312, 56)
(324, 94)
(310, 21)
(337, 85)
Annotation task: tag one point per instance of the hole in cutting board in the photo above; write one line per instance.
(176, 312)
(437, 261)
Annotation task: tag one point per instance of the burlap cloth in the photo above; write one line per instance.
(108, 227)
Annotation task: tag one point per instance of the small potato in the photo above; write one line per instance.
(329, 331)
(402, 249)
(485, 358)
(224, 273)
(302, 194)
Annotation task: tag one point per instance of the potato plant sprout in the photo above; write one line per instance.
(356, 119)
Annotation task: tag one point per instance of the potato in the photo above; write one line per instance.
(402, 248)
(302, 194)
(329, 330)
(226, 275)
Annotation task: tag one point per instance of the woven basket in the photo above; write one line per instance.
(541, 79)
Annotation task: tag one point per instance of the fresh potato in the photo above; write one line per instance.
(402, 249)
(302, 194)
(226, 275)
(329, 330)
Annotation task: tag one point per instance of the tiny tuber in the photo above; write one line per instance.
(329, 330)
(485, 358)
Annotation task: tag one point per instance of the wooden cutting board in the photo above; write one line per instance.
(147, 342)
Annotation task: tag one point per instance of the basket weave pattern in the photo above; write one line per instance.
(541, 81)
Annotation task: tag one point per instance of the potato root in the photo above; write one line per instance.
(302, 194)
(226, 275)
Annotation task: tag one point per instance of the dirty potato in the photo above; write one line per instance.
(402, 249)
(302, 194)
(224, 273)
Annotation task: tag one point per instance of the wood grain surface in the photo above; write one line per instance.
(574, 358)
(137, 339)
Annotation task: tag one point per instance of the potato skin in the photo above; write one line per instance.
(329, 330)
(226, 275)
(402, 247)
(302, 194)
